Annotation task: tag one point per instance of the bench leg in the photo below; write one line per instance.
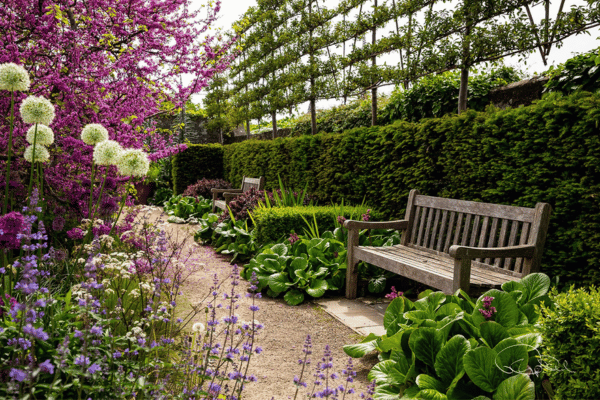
(462, 274)
(351, 268)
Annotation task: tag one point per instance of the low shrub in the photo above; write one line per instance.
(186, 206)
(275, 223)
(243, 204)
(449, 346)
(571, 343)
(203, 187)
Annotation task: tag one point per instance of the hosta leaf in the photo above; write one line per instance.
(393, 310)
(449, 361)
(518, 387)
(536, 285)
(425, 344)
(507, 312)
(280, 249)
(425, 381)
(481, 367)
(493, 333)
(393, 342)
(431, 394)
(531, 341)
(418, 315)
(317, 288)
(410, 393)
(294, 297)
(279, 282)
(402, 363)
(386, 392)
(449, 309)
(360, 349)
(271, 265)
(512, 356)
(385, 372)
(299, 263)
(431, 302)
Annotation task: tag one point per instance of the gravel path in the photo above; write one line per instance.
(286, 327)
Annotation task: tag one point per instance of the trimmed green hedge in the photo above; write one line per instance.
(571, 341)
(277, 222)
(197, 162)
(549, 152)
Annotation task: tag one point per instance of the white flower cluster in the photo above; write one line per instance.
(37, 110)
(42, 135)
(175, 220)
(137, 332)
(93, 134)
(41, 154)
(107, 152)
(133, 162)
(14, 78)
(198, 328)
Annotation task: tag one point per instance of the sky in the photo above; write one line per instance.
(232, 10)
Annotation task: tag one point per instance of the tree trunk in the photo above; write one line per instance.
(313, 109)
(274, 116)
(374, 90)
(247, 129)
(313, 116)
(464, 87)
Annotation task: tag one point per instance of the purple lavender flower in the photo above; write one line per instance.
(94, 368)
(47, 366)
(82, 360)
(96, 330)
(18, 375)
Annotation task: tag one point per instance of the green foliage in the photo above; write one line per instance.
(571, 342)
(545, 152)
(577, 73)
(310, 266)
(186, 207)
(437, 95)
(230, 237)
(196, 162)
(161, 195)
(272, 224)
(441, 346)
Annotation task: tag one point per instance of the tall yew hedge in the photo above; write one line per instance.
(549, 152)
(196, 162)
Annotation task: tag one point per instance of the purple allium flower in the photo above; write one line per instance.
(47, 366)
(75, 233)
(11, 225)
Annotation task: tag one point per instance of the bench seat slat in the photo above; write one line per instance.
(491, 210)
(423, 267)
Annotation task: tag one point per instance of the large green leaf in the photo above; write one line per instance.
(393, 342)
(294, 297)
(299, 263)
(385, 372)
(419, 315)
(279, 282)
(280, 249)
(518, 387)
(317, 288)
(410, 393)
(449, 309)
(449, 361)
(425, 381)
(493, 333)
(377, 285)
(402, 363)
(507, 312)
(531, 341)
(360, 349)
(393, 310)
(425, 343)
(536, 285)
(512, 356)
(431, 302)
(386, 392)
(271, 266)
(481, 367)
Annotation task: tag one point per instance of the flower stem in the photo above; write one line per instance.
(10, 132)
(120, 210)
(95, 209)
(33, 156)
(91, 192)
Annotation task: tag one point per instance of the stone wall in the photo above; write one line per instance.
(518, 93)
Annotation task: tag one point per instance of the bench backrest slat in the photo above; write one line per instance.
(438, 223)
(249, 183)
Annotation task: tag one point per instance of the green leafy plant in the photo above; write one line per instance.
(161, 195)
(187, 206)
(230, 237)
(285, 198)
(450, 347)
(571, 341)
(310, 266)
(578, 73)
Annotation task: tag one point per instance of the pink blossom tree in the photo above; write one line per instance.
(108, 62)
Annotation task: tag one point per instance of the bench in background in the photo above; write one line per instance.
(230, 194)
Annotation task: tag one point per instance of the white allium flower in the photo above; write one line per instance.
(93, 134)
(133, 162)
(37, 110)
(107, 152)
(45, 136)
(41, 154)
(198, 327)
(13, 78)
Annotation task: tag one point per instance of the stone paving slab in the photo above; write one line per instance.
(361, 317)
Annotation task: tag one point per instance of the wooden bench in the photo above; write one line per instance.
(438, 244)
(230, 194)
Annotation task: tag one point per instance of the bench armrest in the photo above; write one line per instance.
(229, 196)
(398, 225)
(460, 252)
